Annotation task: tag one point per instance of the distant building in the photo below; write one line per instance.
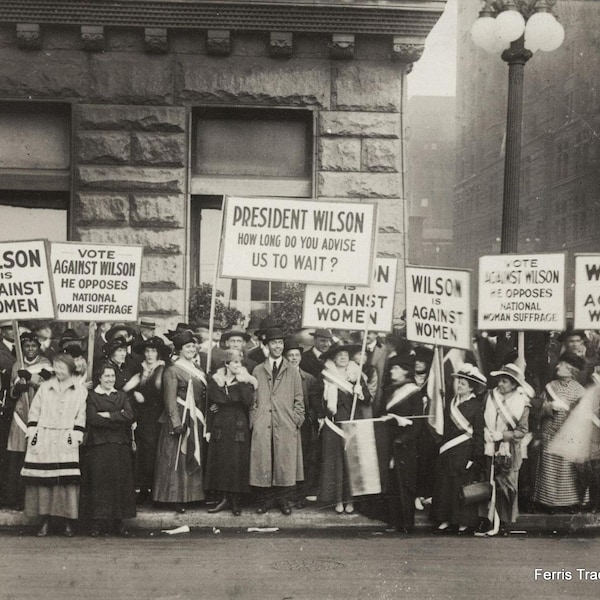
(560, 167)
(430, 176)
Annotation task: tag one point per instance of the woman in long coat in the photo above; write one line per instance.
(107, 484)
(404, 399)
(340, 378)
(229, 397)
(556, 478)
(54, 433)
(506, 415)
(178, 474)
(461, 458)
(25, 380)
(148, 406)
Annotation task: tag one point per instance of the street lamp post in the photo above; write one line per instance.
(517, 28)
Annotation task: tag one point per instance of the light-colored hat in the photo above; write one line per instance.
(514, 372)
(470, 372)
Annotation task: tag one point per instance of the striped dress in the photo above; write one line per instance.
(556, 477)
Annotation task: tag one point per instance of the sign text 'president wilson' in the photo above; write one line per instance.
(298, 240)
(438, 306)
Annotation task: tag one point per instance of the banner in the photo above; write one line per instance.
(438, 306)
(25, 282)
(349, 307)
(305, 241)
(96, 282)
(587, 291)
(522, 292)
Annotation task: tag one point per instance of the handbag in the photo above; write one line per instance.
(476, 492)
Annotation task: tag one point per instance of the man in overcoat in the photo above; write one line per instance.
(276, 418)
(311, 359)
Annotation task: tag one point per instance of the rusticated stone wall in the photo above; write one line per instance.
(131, 111)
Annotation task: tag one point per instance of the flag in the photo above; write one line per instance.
(190, 444)
(435, 392)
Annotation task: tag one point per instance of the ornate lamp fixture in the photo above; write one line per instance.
(501, 22)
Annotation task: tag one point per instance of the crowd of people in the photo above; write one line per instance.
(93, 424)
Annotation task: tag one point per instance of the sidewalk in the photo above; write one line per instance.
(317, 518)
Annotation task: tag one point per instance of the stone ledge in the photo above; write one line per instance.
(131, 118)
(168, 241)
(359, 124)
(358, 185)
(121, 179)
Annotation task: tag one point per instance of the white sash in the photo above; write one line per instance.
(459, 419)
(402, 394)
(503, 410)
(195, 414)
(193, 371)
(556, 398)
(334, 379)
(20, 423)
(459, 439)
(334, 427)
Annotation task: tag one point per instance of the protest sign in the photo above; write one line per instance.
(438, 306)
(96, 282)
(25, 282)
(278, 239)
(522, 292)
(350, 307)
(587, 291)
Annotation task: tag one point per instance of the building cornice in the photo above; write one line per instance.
(413, 19)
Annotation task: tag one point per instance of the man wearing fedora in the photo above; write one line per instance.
(235, 339)
(261, 352)
(276, 418)
(311, 359)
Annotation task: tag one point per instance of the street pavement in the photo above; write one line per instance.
(296, 565)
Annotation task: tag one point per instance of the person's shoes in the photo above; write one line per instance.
(465, 531)
(179, 509)
(349, 509)
(68, 530)
(262, 509)
(339, 508)
(43, 530)
(235, 506)
(311, 498)
(443, 529)
(220, 506)
(120, 528)
(301, 503)
(419, 503)
(285, 508)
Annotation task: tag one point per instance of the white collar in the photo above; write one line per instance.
(277, 361)
(316, 352)
(103, 392)
(371, 346)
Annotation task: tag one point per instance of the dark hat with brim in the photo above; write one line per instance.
(171, 333)
(351, 349)
(404, 361)
(292, 344)
(323, 333)
(572, 359)
(266, 323)
(236, 333)
(147, 324)
(273, 333)
(111, 333)
(113, 345)
(470, 373)
(70, 336)
(423, 354)
(183, 338)
(74, 350)
(154, 342)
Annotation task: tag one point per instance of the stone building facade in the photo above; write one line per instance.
(138, 116)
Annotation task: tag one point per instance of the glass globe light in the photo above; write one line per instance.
(544, 31)
(510, 25)
(484, 33)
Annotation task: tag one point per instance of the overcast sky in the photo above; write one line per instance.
(435, 73)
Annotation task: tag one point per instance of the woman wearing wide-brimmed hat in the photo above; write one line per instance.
(341, 379)
(556, 477)
(506, 415)
(148, 405)
(461, 458)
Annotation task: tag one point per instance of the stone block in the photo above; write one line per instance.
(390, 245)
(162, 302)
(121, 179)
(358, 185)
(158, 211)
(339, 154)
(131, 118)
(58, 74)
(290, 83)
(381, 155)
(158, 149)
(391, 216)
(360, 124)
(163, 272)
(102, 208)
(103, 147)
(165, 241)
(122, 77)
(367, 85)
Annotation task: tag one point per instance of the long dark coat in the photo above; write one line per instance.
(277, 415)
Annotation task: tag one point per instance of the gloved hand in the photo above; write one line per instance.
(177, 430)
(24, 374)
(497, 436)
(20, 388)
(45, 374)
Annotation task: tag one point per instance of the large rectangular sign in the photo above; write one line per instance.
(306, 241)
(587, 291)
(522, 292)
(25, 282)
(96, 282)
(438, 306)
(350, 307)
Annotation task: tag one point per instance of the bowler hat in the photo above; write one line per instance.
(273, 333)
(182, 338)
(292, 343)
(235, 333)
(266, 323)
(323, 333)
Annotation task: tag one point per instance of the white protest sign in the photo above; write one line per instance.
(96, 282)
(438, 306)
(25, 282)
(305, 241)
(587, 291)
(349, 307)
(522, 292)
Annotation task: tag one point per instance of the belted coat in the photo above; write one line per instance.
(276, 417)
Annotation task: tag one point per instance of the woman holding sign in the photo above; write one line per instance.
(341, 379)
(556, 477)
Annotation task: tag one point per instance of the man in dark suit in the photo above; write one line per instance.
(311, 359)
